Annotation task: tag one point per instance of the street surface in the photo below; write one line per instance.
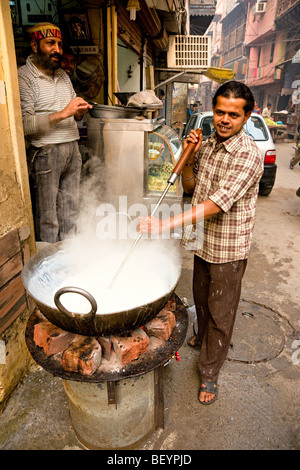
(258, 404)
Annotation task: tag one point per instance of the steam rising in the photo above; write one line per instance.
(151, 271)
(86, 261)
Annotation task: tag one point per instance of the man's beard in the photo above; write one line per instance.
(46, 62)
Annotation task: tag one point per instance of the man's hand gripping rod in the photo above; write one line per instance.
(173, 178)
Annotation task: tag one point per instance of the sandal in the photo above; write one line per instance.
(193, 342)
(208, 387)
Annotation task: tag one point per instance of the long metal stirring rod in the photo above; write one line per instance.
(176, 172)
(137, 239)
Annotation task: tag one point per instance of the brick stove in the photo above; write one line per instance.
(114, 384)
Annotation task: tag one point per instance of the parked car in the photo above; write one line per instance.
(257, 129)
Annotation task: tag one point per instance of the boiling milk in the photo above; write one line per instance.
(151, 271)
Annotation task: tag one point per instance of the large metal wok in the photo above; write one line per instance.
(91, 323)
(98, 323)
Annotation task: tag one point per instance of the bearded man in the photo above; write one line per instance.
(50, 108)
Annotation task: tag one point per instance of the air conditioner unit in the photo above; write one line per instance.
(260, 7)
(36, 11)
(189, 52)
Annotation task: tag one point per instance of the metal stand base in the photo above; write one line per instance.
(117, 415)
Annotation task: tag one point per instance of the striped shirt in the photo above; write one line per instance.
(42, 95)
(228, 174)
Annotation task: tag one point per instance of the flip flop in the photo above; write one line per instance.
(208, 387)
(193, 342)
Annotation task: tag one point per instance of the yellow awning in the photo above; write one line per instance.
(219, 75)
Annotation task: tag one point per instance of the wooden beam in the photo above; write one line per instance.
(109, 56)
(12, 292)
(114, 53)
(149, 70)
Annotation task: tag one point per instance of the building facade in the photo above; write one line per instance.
(259, 41)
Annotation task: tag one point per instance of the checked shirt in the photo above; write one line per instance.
(229, 175)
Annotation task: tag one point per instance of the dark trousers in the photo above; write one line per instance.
(55, 177)
(217, 290)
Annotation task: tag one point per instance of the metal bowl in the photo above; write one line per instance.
(102, 111)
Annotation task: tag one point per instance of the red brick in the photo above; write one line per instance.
(171, 305)
(130, 347)
(82, 356)
(52, 339)
(162, 325)
(106, 346)
(39, 315)
(155, 343)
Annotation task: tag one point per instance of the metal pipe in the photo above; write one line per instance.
(169, 80)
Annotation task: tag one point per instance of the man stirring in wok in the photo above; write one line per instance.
(223, 174)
